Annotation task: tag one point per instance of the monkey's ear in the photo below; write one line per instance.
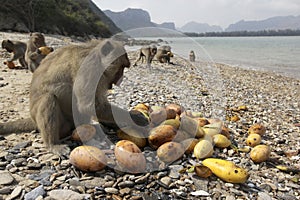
(107, 48)
(8, 41)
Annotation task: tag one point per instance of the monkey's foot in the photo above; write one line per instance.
(61, 150)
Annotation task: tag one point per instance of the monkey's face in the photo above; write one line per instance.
(7, 44)
(38, 39)
(116, 70)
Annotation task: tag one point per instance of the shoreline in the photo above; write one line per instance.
(271, 99)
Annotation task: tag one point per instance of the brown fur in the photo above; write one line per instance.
(33, 55)
(147, 52)
(164, 54)
(76, 69)
(18, 49)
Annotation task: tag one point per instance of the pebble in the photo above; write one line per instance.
(200, 193)
(60, 194)
(142, 179)
(5, 190)
(263, 196)
(15, 193)
(161, 174)
(33, 194)
(111, 190)
(126, 184)
(6, 178)
(95, 182)
(166, 180)
(109, 184)
(174, 171)
(200, 184)
(229, 185)
(124, 191)
(34, 165)
(230, 197)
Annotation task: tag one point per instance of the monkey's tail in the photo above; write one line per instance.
(18, 126)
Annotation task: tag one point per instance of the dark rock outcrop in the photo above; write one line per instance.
(65, 17)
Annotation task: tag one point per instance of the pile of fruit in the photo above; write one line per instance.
(172, 132)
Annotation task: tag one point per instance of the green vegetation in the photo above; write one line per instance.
(67, 17)
(287, 32)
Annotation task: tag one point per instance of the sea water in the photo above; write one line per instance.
(277, 54)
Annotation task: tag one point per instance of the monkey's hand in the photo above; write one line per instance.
(139, 118)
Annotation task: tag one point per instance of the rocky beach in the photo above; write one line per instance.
(29, 171)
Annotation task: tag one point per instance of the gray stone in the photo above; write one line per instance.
(166, 180)
(200, 184)
(15, 193)
(125, 191)
(45, 174)
(230, 197)
(111, 190)
(263, 196)
(126, 184)
(287, 197)
(5, 190)
(200, 193)
(18, 162)
(34, 165)
(74, 182)
(174, 171)
(3, 154)
(22, 145)
(33, 194)
(6, 178)
(142, 179)
(108, 184)
(60, 194)
(161, 174)
(95, 182)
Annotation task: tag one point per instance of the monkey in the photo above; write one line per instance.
(18, 49)
(33, 54)
(192, 56)
(71, 82)
(164, 54)
(148, 52)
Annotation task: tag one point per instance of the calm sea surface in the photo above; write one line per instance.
(277, 54)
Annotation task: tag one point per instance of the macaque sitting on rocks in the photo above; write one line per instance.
(36, 50)
(192, 56)
(17, 48)
(164, 54)
(69, 88)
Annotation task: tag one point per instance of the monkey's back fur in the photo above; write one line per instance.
(75, 76)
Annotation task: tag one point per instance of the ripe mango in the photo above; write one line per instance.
(226, 170)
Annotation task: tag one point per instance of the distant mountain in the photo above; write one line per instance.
(167, 25)
(195, 27)
(274, 23)
(135, 18)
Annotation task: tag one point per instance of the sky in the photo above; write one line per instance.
(213, 12)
